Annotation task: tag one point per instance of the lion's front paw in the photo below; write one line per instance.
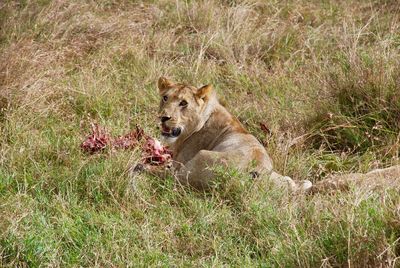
(139, 168)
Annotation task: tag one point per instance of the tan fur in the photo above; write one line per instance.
(210, 136)
(377, 178)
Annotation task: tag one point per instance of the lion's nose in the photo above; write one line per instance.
(165, 118)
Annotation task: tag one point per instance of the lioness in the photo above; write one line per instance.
(201, 134)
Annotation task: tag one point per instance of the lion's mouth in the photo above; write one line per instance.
(170, 132)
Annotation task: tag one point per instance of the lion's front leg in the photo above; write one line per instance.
(162, 171)
(196, 172)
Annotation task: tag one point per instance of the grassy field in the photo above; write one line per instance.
(323, 76)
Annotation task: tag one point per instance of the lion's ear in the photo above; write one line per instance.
(164, 84)
(204, 91)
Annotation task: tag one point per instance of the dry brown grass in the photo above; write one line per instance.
(302, 67)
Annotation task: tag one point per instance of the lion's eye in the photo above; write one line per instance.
(165, 98)
(183, 103)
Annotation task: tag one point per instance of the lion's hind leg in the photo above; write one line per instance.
(379, 178)
(200, 171)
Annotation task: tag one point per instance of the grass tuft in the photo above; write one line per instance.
(361, 111)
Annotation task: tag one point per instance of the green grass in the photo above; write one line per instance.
(327, 70)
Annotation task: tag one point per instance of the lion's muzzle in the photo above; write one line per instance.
(170, 132)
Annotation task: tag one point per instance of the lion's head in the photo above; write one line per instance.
(183, 108)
